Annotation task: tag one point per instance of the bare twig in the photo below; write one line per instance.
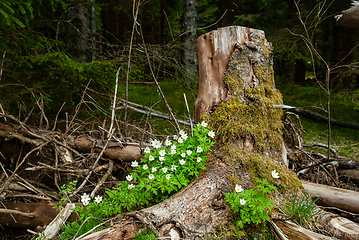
(29, 196)
(94, 165)
(309, 42)
(2, 64)
(57, 115)
(189, 114)
(77, 108)
(135, 14)
(326, 171)
(157, 114)
(3, 112)
(103, 179)
(15, 212)
(157, 84)
(9, 179)
(114, 102)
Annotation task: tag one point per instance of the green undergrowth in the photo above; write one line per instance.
(344, 140)
(55, 79)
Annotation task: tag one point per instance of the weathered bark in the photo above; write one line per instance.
(349, 175)
(295, 232)
(38, 214)
(338, 227)
(333, 197)
(128, 153)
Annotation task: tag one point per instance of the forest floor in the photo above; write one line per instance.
(344, 140)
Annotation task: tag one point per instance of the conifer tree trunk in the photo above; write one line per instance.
(190, 25)
(77, 37)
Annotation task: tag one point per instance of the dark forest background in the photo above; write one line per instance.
(51, 50)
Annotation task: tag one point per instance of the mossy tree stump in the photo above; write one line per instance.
(236, 97)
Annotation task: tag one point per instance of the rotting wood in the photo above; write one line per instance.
(333, 197)
(339, 227)
(128, 153)
(55, 225)
(349, 175)
(295, 232)
(43, 213)
(214, 49)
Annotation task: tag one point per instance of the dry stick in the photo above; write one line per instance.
(169, 24)
(56, 165)
(57, 115)
(26, 129)
(3, 112)
(29, 186)
(157, 114)
(114, 102)
(129, 63)
(42, 116)
(3, 169)
(30, 196)
(158, 86)
(94, 165)
(327, 74)
(103, 179)
(15, 212)
(189, 114)
(77, 108)
(78, 171)
(12, 216)
(118, 140)
(28, 115)
(315, 144)
(326, 171)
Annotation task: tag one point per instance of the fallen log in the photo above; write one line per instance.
(291, 231)
(29, 215)
(349, 175)
(317, 116)
(333, 197)
(338, 227)
(127, 153)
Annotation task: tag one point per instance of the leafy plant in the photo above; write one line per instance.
(301, 210)
(166, 169)
(254, 204)
(65, 190)
(147, 235)
(161, 173)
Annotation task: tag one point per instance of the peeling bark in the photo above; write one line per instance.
(214, 50)
(333, 197)
(128, 153)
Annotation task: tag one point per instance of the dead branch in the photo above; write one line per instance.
(103, 179)
(15, 212)
(54, 227)
(335, 153)
(94, 165)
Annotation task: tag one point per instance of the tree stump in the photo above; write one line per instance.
(236, 97)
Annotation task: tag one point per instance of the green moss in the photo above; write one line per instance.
(250, 112)
(249, 115)
(260, 166)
